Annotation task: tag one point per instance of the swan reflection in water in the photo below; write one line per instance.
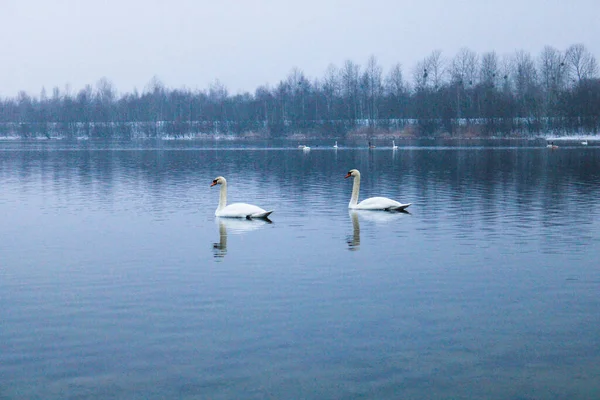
(234, 226)
(378, 217)
(354, 239)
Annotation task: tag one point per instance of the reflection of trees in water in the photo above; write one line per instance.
(468, 186)
(509, 191)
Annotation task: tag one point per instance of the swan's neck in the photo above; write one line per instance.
(355, 189)
(223, 196)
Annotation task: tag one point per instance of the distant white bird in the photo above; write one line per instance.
(373, 203)
(585, 143)
(306, 148)
(236, 210)
(394, 147)
(335, 146)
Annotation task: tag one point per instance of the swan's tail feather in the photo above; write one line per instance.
(264, 215)
(401, 207)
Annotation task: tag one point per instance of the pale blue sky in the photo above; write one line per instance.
(245, 44)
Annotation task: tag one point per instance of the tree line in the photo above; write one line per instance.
(466, 94)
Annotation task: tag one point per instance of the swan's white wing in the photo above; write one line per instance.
(380, 203)
(242, 210)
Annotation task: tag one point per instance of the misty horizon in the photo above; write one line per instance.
(408, 74)
(246, 45)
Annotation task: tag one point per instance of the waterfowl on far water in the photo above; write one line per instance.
(551, 145)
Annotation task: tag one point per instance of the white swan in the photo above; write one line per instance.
(373, 203)
(585, 143)
(335, 146)
(394, 147)
(236, 210)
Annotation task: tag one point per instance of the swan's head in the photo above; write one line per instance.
(219, 180)
(352, 172)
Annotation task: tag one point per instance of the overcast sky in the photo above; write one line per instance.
(247, 43)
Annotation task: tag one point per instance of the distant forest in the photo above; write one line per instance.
(468, 94)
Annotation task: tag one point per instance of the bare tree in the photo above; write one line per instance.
(83, 103)
(154, 85)
(525, 81)
(524, 72)
(394, 82)
(435, 65)
(506, 74)
(105, 91)
(264, 100)
(331, 87)
(552, 69)
(155, 92)
(420, 76)
(299, 91)
(553, 74)
(463, 69)
(373, 88)
(489, 70)
(350, 88)
(581, 63)
(429, 72)
(217, 91)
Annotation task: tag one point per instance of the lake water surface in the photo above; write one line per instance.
(117, 281)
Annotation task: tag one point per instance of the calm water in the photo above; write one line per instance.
(117, 281)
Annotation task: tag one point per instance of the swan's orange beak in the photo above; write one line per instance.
(213, 183)
(348, 176)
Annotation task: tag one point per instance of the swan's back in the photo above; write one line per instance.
(242, 210)
(380, 203)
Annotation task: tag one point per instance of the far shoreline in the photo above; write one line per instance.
(350, 138)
